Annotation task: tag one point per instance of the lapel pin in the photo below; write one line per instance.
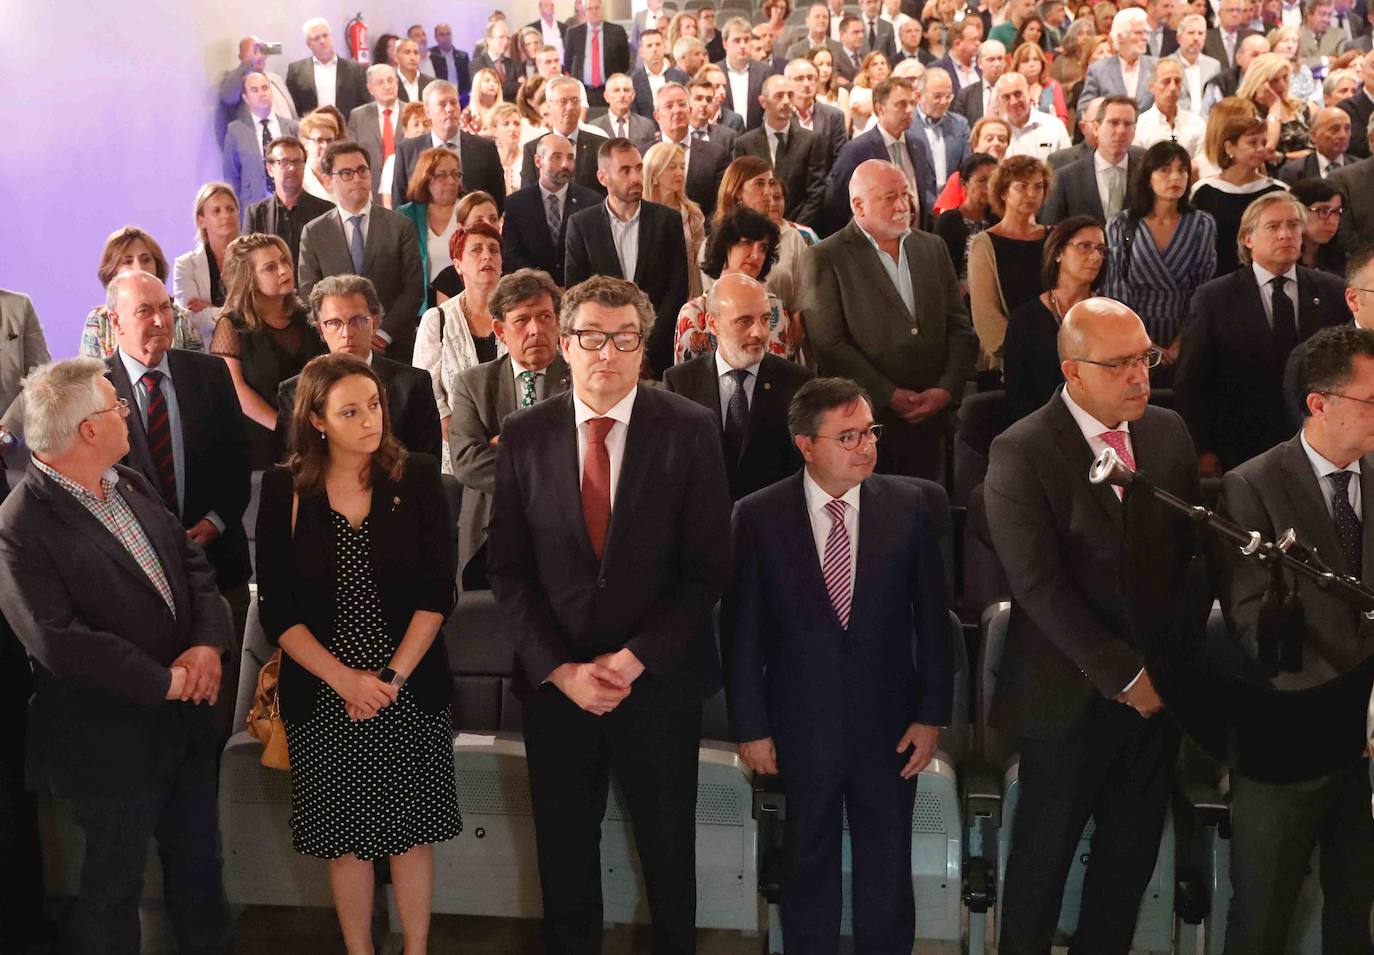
(395, 501)
(767, 385)
(1316, 301)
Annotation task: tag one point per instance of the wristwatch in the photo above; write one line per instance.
(391, 677)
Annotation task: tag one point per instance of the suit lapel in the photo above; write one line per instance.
(506, 400)
(1079, 456)
(800, 541)
(1305, 494)
(140, 458)
(643, 259)
(874, 275)
(634, 467)
(1367, 525)
(564, 475)
(1309, 307)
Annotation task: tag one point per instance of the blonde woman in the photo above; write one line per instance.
(682, 24)
(1284, 41)
(874, 69)
(1268, 86)
(504, 126)
(196, 281)
(486, 93)
(665, 182)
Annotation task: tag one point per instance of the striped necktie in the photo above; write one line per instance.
(835, 566)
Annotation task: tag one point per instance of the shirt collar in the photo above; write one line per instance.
(1090, 426)
(137, 369)
(724, 368)
(437, 143)
(620, 411)
(888, 138)
(1319, 463)
(901, 239)
(318, 62)
(817, 497)
(518, 371)
(624, 222)
(1101, 164)
(345, 215)
(562, 194)
(1263, 276)
(108, 481)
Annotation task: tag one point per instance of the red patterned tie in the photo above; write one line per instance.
(596, 56)
(596, 483)
(160, 437)
(1116, 440)
(835, 565)
(388, 135)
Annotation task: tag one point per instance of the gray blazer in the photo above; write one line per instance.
(22, 348)
(365, 129)
(1208, 68)
(1104, 79)
(483, 397)
(1075, 189)
(1270, 493)
(243, 159)
(391, 259)
(643, 131)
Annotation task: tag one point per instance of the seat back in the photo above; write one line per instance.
(481, 655)
(984, 580)
(982, 417)
(256, 652)
(991, 747)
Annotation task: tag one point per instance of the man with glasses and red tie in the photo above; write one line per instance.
(606, 552)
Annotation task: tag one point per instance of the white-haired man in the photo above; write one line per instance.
(1130, 70)
(324, 78)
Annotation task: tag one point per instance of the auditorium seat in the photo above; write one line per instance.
(982, 417)
(984, 582)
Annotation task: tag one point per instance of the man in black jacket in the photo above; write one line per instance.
(348, 77)
(563, 103)
(594, 50)
(480, 161)
(286, 212)
(797, 155)
(533, 232)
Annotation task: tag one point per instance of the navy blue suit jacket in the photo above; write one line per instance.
(644, 94)
(861, 149)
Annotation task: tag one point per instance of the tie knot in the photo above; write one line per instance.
(741, 375)
(356, 221)
(1341, 480)
(387, 112)
(528, 377)
(836, 508)
(598, 428)
(1116, 440)
(1279, 281)
(151, 380)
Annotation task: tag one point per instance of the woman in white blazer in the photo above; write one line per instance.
(196, 281)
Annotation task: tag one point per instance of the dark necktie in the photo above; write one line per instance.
(1348, 528)
(266, 140)
(872, 40)
(699, 136)
(555, 218)
(736, 415)
(596, 483)
(160, 437)
(1285, 324)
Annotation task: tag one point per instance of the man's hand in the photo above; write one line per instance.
(495, 440)
(760, 756)
(199, 304)
(921, 739)
(594, 687)
(378, 343)
(624, 662)
(1142, 697)
(203, 532)
(927, 403)
(1208, 464)
(178, 684)
(202, 674)
(904, 401)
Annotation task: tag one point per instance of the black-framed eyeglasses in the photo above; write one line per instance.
(594, 339)
(851, 440)
(121, 405)
(1149, 359)
(1337, 394)
(336, 325)
(347, 175)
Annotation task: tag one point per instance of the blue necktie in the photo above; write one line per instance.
(355, 244)
(736, 415)
(1349, 531)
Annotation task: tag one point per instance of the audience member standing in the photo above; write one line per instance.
(594, 50)
(824, 120)
(796, 155)
(1330, 140)
(449, 62)
(495, 55)
(247, 139)
(535, 226)
(411, 82)
(1166, 120)
(890, 140)
(744, 75)
(1321, 249)
(286, 212)
(252, 59)
(197, 281)
(1099, 185)
(432, 208)
(1199, 68)
(376, 126)
(706, 157)
(325, 78)
(958, 226)
(564, 113)
(130, 248)
(477, 154)
(620, 121)
(1130, 70)
(1235, 142)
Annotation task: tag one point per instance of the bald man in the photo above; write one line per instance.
(1331, 134)
(798, 155)
(252, 59)
(1073, 687)
(747, 388)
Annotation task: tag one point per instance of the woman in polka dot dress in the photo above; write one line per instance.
(355, 595)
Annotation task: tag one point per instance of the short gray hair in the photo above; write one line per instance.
(685, 43)
(607, 292)
(376, 69)
(57, 397)
(1334, 79)
(436, 87)
(344, 284)
(1249, 221)
(561, 80)
(112, 289)
(1183, 24)
(312, 23)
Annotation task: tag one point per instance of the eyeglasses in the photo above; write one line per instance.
(1150, 359)
(321, 140)
(851, 440)
(335, 325)
(1326, 212)
(286, 163)
(594, 339)
(1337, 394)
(1088, 248)
(121, 405)
(446, 174)
(347, 175)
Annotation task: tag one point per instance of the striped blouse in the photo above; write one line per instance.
(1159, 284)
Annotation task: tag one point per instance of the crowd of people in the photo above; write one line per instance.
(615, 279)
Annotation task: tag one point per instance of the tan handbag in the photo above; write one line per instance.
(264, 716)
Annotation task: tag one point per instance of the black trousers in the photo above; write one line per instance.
(177, 806)
(651, 745)
(1119, 770)
(1273, 831)
(916, 450)
(21, 912)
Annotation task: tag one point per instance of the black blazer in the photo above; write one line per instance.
(461, 64)
(216, 452)
(350, 85)
(584, 162)
(827, 122)
(1307, 167)
(1030, 358)
(506, 67)
(1070, 650)
(615, 50)
(968, 102)
(801, 165)
(525, 238)
(413, 564)
(706, 165)
(409, 401)
(1229, 384)
(769, 454)
(267, 216)
(1359, 107)
(481, 166)
(666, 560)
(644, 94)
(660, 270)
(422, 80)
(752, 111)
(100, 636)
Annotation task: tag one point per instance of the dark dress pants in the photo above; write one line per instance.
(651, 745)
(916, 450)
(21, 912)
(1117, 768)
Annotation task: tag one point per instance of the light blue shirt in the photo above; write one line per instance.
(898, 271)
(599, 32)
(727, 383)
(1324, 469)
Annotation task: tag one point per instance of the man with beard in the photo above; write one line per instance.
(537, 216)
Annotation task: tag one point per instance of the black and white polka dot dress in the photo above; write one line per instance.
(377, 787)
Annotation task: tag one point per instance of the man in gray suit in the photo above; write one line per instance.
(621, 122)
(251, 60)
(18, 324)
(364, 238)
(376, 126)
(1318, 43)
(1097, 185)
(882, 306)
(1199, 69)
(1317, 484)
(524, 311)
(1130, 70)
(246, 141)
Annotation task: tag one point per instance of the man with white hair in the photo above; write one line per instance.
(1033, 133)
(1198, 67)
(1130, 70)
(118, 610)
(563, 111)
(376, 126)
(324, 78)
(975, 99)
(689, 54)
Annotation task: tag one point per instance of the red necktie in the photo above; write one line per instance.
(388, 135)
(160, 437)
(596, 483)
(596, 56)
(1116, 440)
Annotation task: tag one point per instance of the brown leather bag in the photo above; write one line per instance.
(264, 716)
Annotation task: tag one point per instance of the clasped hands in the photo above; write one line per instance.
(761, 756)
(1142, 697)
(601, 685)
(195, 676)
(364, 694)
(914, 407)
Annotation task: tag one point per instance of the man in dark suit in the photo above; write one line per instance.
(1356, 183)
(824, 120)
(535, 225)
(286, 212)
(363, 238)
(495, 55)
(817, 36)
(119, 612)
(723, 115)
(893, 103)
(449, 62)
(324, 78)
(878, 33)
(376, 126)
(974, 101)
(187, 439)
(1316, 483)
(524, 310)
(652, 63)
(608, 592)
(594, 50)
(797, 155)
(882, 306)
(1360, 107)
(410, 82)
(1330, 133)
(707, 160)
(744, 75)
(546, 23)
(709, 35)
(628, 236)
(701, 107)
(346, 311)
(620, 121)
(851, 39)
(480, 161)
(802, 703)
(747, 389)
(1161, 39)
(564, 109)
(961, 61)
(1223, 40)
(1079, 187)
(1236, 341)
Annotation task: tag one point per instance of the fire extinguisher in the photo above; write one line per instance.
(356, 32)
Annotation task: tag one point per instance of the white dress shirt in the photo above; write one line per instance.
(312, 185)
(412, 89)
(548, 29)
(1188, 130)
(273, 129)
(967, 75)
(540, 389)
(615, 438)
(739, 88)
(620, 126)
(727, 383)
(656, 80)
(1130, 76)
(1292, 15)
(816, 500)
(437, 245)
(625, 234)
(326, 80)
(344, 216)
(1290, 288)
(1323, 468)
(935, 136)
(1043, 134)
(897, 270)
(455, 144)
(1102, 168)
(1192, 81)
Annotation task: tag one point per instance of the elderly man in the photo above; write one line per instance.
(324, 78)
(1033, 133)
(909, 36)
(347, 313)
(891, 139)
(247, 138)
(975, 100)
(524, 312)
(797, 155)
(1166, 119)
(376, 126)
(481, 163)
(689, 54)
(593, 51)
(121, 617)
(1129, 71)
(563, 109)
(865, 320)
(620, 121)
(1097, 185)
(1318, 44)
(1361, 109)
(535, 225)
(946, 132)
(1198, 67)
(653, 72)
(746, 389)
(1330, 133)
(252, 59)
(448, 62)
(286, 212)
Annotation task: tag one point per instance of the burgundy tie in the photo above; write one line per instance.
(596, 483)
(160, 437)
(1116, 440)
(835, 565)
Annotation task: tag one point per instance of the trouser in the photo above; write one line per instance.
(651, 745)
(238, 599)
(1118, 769)
(916, 450)
(1274, 829)
(21, 912)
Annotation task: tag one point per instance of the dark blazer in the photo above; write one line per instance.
(615, 50)
(968, 102)
(100, 636)
(769, 454)
(722, 135)
(660, 269)
(1356, 183)
(350, 85)
(1215, 48)
(365, 129)
(1168, 42)
(946, 63)
(461, 63)
(644, 94)
(584, 167)
(728, 117)
(1306, 168)
(481, 166)
(1229, 384)
(827, 122)
(1062, 157)
(1075, 189)
(796, 675)
(1359, 107)
(801, 165)
(867, 146)
(267, 216)
(409, 402)
(752, 111)
(412, 565)
(666, 560)
(1069, 646)
(885, 41)
(215, 453)
(643, 132)
(706, 165)
(525, 238)
(506, 67)
(423, 80)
